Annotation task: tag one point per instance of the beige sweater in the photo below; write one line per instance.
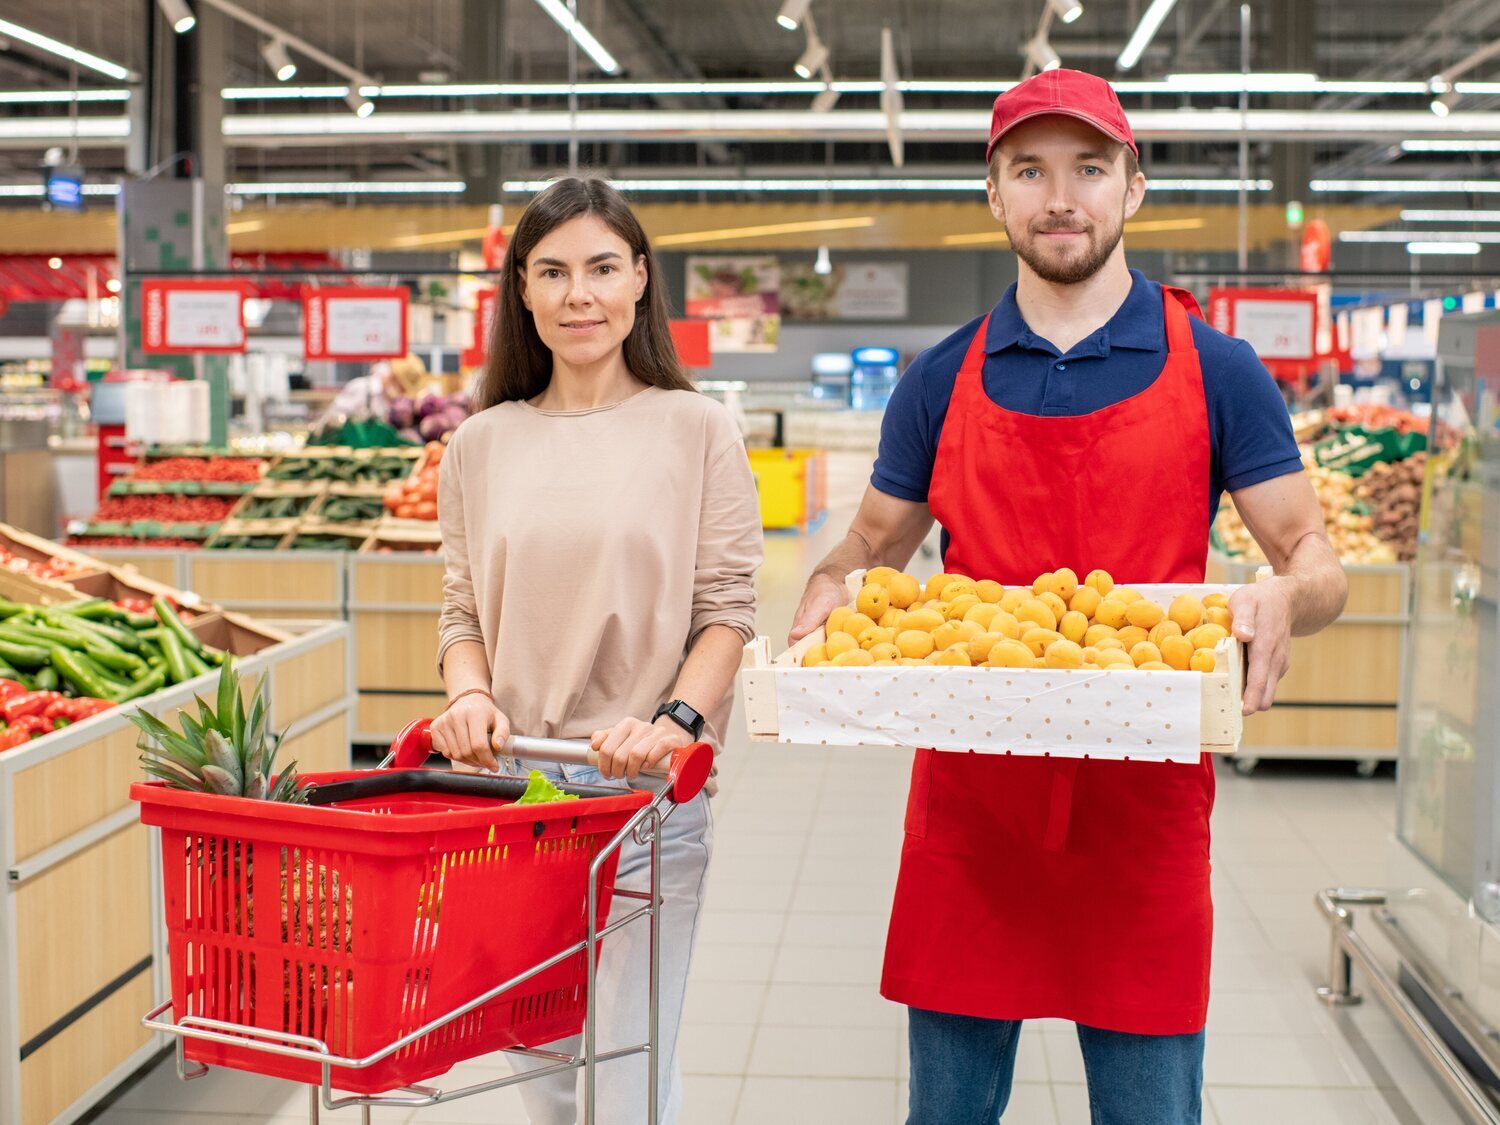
(588, 549)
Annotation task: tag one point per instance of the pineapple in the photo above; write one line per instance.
(222, 751)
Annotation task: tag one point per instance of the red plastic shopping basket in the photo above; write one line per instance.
(359, 923)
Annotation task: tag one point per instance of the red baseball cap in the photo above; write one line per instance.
(1068, 93)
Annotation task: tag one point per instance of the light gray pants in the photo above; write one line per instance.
(624, 975)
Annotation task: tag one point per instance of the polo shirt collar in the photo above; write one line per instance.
(1137, 324)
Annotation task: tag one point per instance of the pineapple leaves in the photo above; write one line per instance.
(229, 687)
(155, 733)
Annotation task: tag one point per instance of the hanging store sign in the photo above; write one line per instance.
(1280, 324)
(356, 323)
(850, 291)
(484, 327)
(690, 338)
(187, 317)
(741, 295)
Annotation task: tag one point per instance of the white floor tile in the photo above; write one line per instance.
(817, 1101)
(797, 964)
(710, 1098)
(1246, 1106)
(829, 1006)
(715, 1048)
(718, 1001)
(1274, 1060)
(808, 1052)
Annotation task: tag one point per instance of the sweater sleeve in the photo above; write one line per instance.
(459, 619)
(729, 545)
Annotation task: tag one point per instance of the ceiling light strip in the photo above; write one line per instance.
(62, 50)
(1396, 187)
(1151, 19)
(1384, 236)
(1450, 216)
(581, 35)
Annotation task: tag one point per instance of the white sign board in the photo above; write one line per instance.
(1276, 329)
(208, 318)
(366, 325)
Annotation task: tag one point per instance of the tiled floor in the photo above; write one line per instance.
(784, 1025)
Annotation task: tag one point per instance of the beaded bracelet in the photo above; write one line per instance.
(470, 691)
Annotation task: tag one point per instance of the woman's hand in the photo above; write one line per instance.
(632, 745)
(471, 732)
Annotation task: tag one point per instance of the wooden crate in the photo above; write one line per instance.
(1034, 697)
(378, 716)
(394, 601)
(1339, 698)
(157, 565)
(268, 583)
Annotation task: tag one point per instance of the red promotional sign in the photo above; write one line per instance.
(484, 326)
(354, 323)
(1317, 247)
(188, 317)
(1280, 324)
(691, 340)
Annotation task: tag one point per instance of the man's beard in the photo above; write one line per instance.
(1075, 267)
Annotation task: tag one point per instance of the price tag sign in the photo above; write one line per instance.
(484, 326)
(354, 323)
(187, 317)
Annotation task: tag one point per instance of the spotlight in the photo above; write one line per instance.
(1067, 10)
(1040, 54)
(361, 105)
(824, 265)
(812, 59)
(113, 285)
(792, 12)
(825, 98)
(55, 263)
(281, 64)
(1444, 103)
(178, 14)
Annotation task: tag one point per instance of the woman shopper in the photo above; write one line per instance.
(602, 532)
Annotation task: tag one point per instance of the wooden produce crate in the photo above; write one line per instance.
(76, 858)
(159, 565)
(325, 538)
(1086, 712)
(342, 497)
(394, 601)
(232, 533)
(271, 585)
(274, 500)
(1339, 698)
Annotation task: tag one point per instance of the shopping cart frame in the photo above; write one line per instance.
(680, 783)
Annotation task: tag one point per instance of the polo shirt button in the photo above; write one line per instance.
(1062, 366)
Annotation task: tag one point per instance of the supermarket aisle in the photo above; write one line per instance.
(784, 1025)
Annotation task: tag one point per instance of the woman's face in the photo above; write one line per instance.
(581, 286)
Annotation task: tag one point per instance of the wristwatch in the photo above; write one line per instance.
(683, 715)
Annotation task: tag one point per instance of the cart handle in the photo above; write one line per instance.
(686, 774)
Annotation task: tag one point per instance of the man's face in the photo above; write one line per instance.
(1059, 187)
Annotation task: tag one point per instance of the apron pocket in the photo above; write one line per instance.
(919, 795)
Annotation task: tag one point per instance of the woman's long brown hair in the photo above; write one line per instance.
(519, 365)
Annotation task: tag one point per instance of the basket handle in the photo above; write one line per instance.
(686, 774)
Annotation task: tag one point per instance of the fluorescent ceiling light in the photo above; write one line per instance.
(813, 58)
(1039, 54)
(178, 15)
(1151, 19)
(1439, 84)
(766, 230)
(39, 97)
(350, 187)
(792, 12)
(1486, 236)
(62, 50)
(361, 105)
(1450, 216)
(1066, 10)
(1227, 83)
(581, 35)
(1393, 187)
(868, 184)
(47, 128)
(1442, 247)
(281, 64)
(1450, 146)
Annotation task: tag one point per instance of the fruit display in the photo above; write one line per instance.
(219, 469)
(276, 507)
(430, 417)
(351, 509)
(244, 542)
(1356, 531)
(416, 498)
(1059, 621)
(1392, 493)
(99, 649)
(51, 567)
(228, 749)
(105, 542)
(164, 508)
(381, 468)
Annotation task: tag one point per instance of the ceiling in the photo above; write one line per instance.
(401, 42)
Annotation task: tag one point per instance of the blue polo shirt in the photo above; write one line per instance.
(1250, 432)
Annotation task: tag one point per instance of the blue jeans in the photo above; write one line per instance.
(961, 1070)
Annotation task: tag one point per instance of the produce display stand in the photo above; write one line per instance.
(394, 601)
(1339, 699)
(419, 860)
(283, 585)
(1068, 713)
(80, 953)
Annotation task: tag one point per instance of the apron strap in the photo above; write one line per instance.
(1178, 304)
(973, 364)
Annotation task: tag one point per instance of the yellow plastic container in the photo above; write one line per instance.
(792, 487)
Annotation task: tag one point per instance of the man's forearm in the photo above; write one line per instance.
(1319, 585)
(854, 553)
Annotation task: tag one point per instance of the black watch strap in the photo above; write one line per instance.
(683, 715)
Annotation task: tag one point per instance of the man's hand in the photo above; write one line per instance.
(632, 745)
(823, 595)
(1263, 620)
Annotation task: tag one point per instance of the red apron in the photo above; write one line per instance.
(1059, 887)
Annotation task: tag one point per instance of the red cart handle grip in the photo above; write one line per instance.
(686, 774)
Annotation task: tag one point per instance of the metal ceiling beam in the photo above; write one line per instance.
(1421, 54)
